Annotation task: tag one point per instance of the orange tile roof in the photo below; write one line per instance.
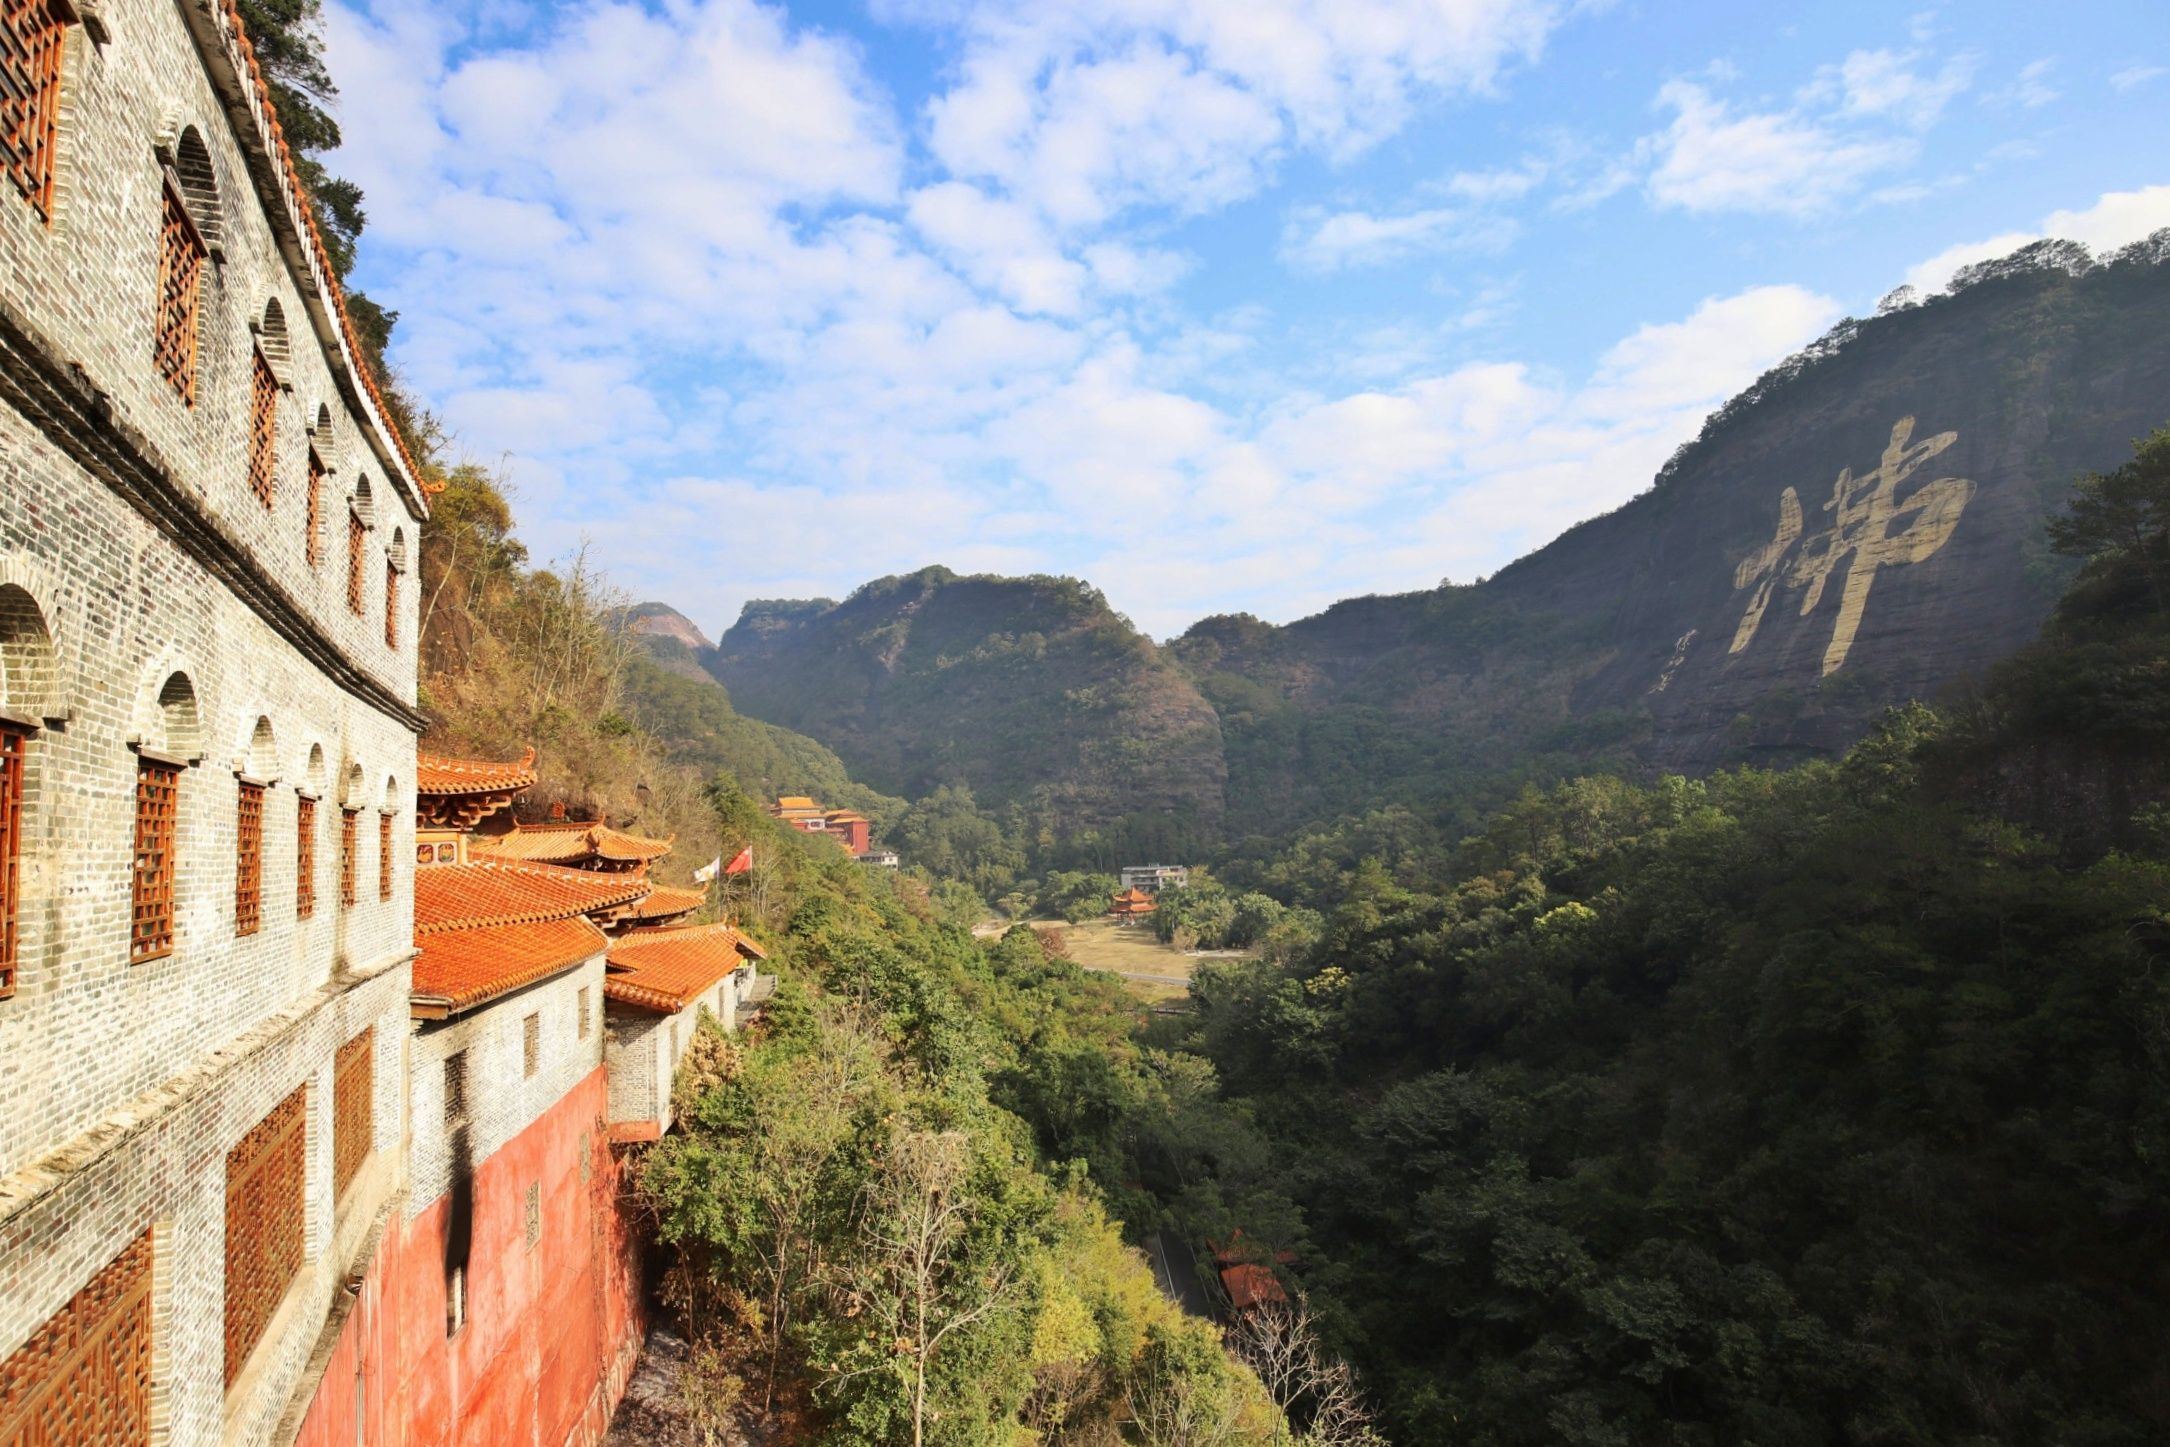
(796, 801)
(461, 968)
(439, 774)
(508, 891)
(1249, 1286)
(666, 900)
(581, 839)
(667, 969)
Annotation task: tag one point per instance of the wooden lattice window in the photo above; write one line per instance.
(304, 857)
(249, 859)
(391, 605)
(384, 856)
(357, 549)
(264, 1179)
(85, 1375)
(263, 428)
(158, 791)
(181, 255)
(350, 831)
(531, 1045)
(314, 546)
(354, 1120)
(32, 35)
(14, 739)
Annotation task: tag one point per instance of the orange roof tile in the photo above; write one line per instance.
(666, 900)
(582, 839)
(439, 774)
(461, 968)
(508, 891)
(667, 969)
(1250, 1285)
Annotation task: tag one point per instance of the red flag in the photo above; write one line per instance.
(740, 862)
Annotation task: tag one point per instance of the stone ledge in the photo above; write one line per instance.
(24, 1188)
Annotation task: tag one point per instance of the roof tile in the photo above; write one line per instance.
(667, 969)
(459, 969)
(505, 891)
(441, 774)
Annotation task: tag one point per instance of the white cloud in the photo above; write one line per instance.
(2030, 89)
(1191, 103)
(1782, 163)
(1316, 240)
(734, 324)
(2118, 219)
(2137, 75)
(1885, 83)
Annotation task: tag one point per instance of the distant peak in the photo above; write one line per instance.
(661, 620)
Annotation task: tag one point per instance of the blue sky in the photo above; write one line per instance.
(1225, 305)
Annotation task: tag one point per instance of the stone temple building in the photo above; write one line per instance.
(309, 1129)
(207, 722)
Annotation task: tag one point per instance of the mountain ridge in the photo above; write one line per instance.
(1860, 527)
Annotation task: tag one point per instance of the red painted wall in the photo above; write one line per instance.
(553, 1331)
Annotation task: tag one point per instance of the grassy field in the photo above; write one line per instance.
(1153, 970)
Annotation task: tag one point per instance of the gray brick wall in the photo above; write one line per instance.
(122, 1086)
(88, 282)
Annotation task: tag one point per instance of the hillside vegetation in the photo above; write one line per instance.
(1801, 1106)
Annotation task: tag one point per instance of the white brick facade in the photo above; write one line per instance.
(645, 1048)
(502, 1099)
(133, 553)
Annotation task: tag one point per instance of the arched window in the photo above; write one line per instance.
(258, 765)
(357, 544)
(267, 369)
(271, 336)
(159, 763)
(188, 235)
(28, 685)
(305, 834)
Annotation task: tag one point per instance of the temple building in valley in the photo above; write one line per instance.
(313, 1124)
(849, 829)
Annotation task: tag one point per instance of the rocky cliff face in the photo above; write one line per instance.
(660, 620)
(1862, 527)
(1028, 690)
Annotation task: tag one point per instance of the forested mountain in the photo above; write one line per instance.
(1861, 527)
(1026, 690)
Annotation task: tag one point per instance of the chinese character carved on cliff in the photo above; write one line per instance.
(1871, 527)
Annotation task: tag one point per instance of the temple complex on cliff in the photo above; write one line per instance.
(319, 1073)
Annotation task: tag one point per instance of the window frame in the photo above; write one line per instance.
(177, 312)
(384, 856)
(34, 167)
(248, 857)
(357, 556)
(157, 834)
(263, 428)
(304, 856)
(350, 835)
